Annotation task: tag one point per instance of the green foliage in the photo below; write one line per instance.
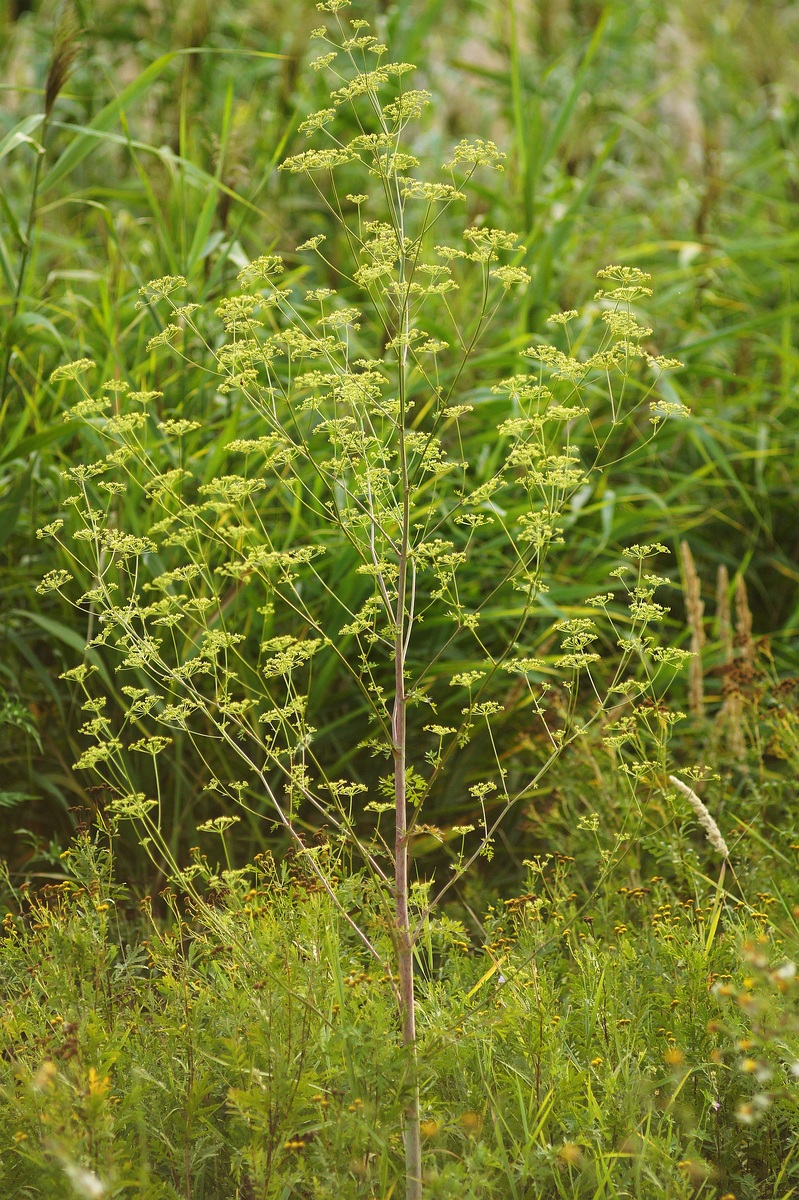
(353, 392)
(143, 141)
(353, 396)
(175, 173)
(244, 1044)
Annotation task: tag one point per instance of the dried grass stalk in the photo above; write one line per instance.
(734, 717)
(694, 610)
(723, 614)
(730, 715)
(743, 623)
(733, 710)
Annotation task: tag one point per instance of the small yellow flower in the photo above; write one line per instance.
(98, 1085)
(695, 1169)
(470, 1122)
(674, 1057)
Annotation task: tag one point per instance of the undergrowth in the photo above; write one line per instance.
(244, 1045)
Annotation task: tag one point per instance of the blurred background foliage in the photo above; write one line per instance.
(142, 139)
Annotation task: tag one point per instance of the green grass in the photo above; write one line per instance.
(245, 1046)
(176, 1055)
(162, 160)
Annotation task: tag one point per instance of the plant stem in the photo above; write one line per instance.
(399, 730)
(413, 1149)
(413, 1152)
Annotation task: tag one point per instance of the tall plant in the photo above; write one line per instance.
(219, 614)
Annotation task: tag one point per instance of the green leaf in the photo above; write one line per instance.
(205, 220)
(19, 447)
(20, 135)
(86, 139)
(13, 799)
(11, 507)
(70, 637)
(83, 143)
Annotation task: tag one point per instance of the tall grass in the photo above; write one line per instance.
(245, 1046)
(649, 127)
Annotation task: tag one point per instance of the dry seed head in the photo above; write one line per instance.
(62, 60)
(733, 715)
(723, 616)
(743, 622)
(694, 610)
(712, 831)
(730, 715)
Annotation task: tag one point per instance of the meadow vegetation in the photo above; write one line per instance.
(379, 821)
